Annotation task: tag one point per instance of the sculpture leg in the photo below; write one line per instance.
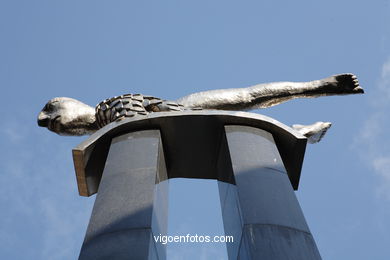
(341, 84)
(271, 94)
(314, 132)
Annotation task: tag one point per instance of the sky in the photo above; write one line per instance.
(93, 50)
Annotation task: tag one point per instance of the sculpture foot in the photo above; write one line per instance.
(343, 84)
(314, 132)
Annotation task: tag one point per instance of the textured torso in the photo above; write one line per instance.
(129, 105)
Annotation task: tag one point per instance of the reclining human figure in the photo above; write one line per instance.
(67, 116)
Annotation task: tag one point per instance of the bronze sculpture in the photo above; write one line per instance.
(67, 116)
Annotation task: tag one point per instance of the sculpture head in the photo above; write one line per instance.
(68, 116)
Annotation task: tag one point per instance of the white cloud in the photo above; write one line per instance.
(382, 168)
(384, 84)
(373, 139)
(41, 210)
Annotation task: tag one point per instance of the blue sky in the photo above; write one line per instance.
(92, 50)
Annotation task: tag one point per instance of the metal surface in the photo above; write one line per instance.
(66, 116)
(129, 105)
(314, 132)
(271, 94)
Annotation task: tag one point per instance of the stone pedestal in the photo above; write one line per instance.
(255, 159)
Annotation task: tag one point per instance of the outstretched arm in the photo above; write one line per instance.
(271, 94)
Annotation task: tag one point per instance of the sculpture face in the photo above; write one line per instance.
(67, 116)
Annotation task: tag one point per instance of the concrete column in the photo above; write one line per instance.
(132, 203)
(261, 210)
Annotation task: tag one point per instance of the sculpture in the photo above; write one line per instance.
(67, 116)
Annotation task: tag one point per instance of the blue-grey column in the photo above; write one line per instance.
(132, 201)
(261, 210)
